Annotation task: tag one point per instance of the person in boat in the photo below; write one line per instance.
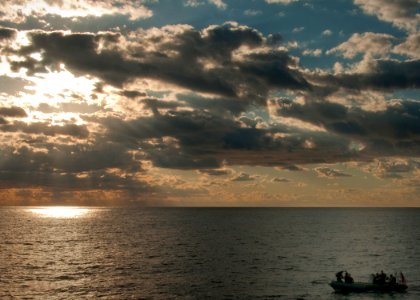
(392, 280)
(382, 278)
(339, 276)
(348, 278)
(402, 278)
(375, 278)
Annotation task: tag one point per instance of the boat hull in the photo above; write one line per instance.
(360, 287)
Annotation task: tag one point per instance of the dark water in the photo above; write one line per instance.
(203, 253)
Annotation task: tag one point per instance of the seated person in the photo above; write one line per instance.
(339, 276)
(392, 279)
(348, 278)
(382, 278)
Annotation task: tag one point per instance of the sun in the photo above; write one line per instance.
(60, 211)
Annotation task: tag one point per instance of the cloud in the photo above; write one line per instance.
(219, 105)
(402, 14)
(219, 3)
(77, 131)
(312, 52)
(80, 108)
(371, 74)
(7, 33)
(289, 167)
(330, 173)
(298, 29)
(200, 101)
(132, 94)
(65, 158)
(203, 139)
(12, 85)
(243, 177)
(17, 12)
(410, 47)
(384, 75)
(208, 61)
(284, 2)
(327, 32)
(194, 3)
(214, 172)
(252, 12)
(367, 43)
(280, 179)
(394, 167)
(398, 124)
(14, 111)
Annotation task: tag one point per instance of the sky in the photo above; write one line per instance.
(210, 102)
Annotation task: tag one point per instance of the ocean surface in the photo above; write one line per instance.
(202, 253)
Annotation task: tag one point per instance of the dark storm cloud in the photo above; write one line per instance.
(154, 104)
(71, 167)
(78, 52)
(272, 69)
(189, 128)
(208, 132)
(202, 140)
(7, 33)
(385, 75)
(399, 122)
(132, 94)
(63, 158)
(102, 155)
(14, 111)
(70, 181)
(77, 131)
(216, 105)
(379, 75)
(198, 60)
(174, 159)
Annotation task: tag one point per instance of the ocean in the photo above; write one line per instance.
(203, 253)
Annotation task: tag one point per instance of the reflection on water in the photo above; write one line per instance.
(168, 253)
(60, 211)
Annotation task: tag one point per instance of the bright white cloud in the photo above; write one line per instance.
(18, 10)
(327, 32)
(312, 52)
(410, 47)
(368, 43)
(401, 13)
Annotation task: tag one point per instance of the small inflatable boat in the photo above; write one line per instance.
(358, 287)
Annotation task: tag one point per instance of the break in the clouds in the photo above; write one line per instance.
(119, 102)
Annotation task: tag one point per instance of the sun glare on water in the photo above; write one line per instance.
(60, 211)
